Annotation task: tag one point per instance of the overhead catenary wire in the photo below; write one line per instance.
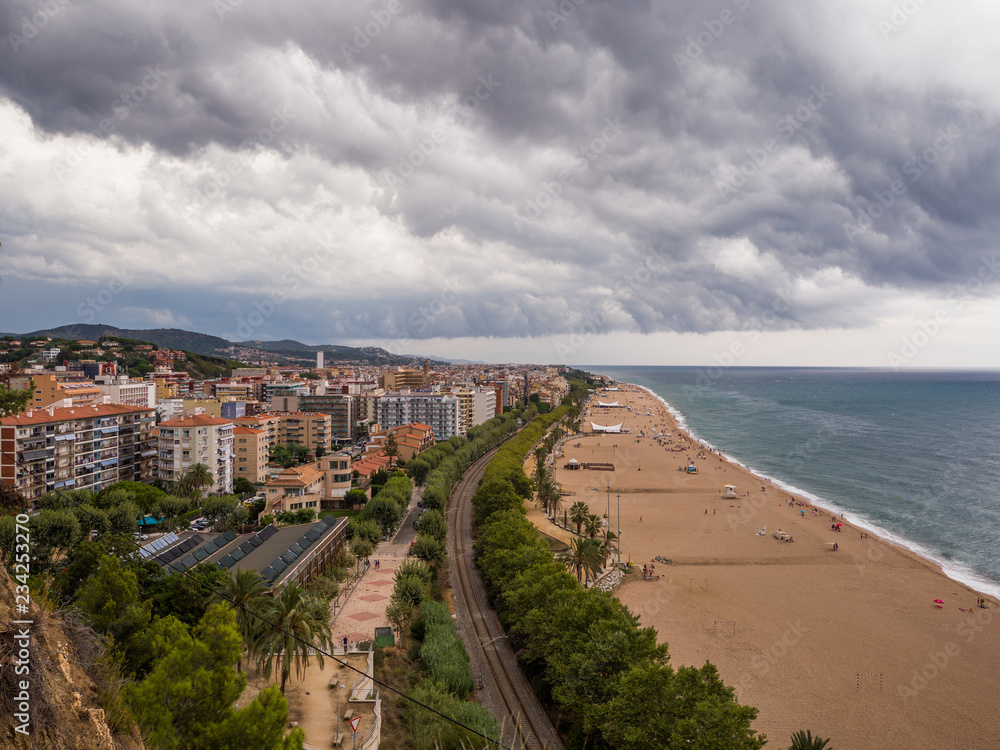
(259, 616)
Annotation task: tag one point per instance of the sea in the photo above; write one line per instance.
(911, 456)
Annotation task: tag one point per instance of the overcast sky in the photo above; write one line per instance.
(584, 181)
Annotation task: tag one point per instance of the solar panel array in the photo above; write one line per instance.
(165, 558)
(293, 553)
(245, 548)
(153, 547)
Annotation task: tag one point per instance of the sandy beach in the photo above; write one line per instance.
(791, 625)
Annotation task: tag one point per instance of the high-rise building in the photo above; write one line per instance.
(250, 448)
(438, 410)
(199, 439)
(343, 411)
(86, 448)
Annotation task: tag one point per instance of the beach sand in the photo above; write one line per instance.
(807, 619)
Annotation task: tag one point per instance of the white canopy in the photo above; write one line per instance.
(607, 428)
(601, 403)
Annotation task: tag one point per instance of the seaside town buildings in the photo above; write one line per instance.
(81, 448)
(198, 439)
(231, 423)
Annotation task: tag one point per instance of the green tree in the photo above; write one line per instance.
(385, 511)
(803, 740)
(418, 469)
(292, 614)
(593, 525)
(182, 596)
(243, 486)
(578, 513)
(197, 477)
(433, 524)
(609, 544)
(243, 591)
(53, 534)
(362, 549)
(583, 556)
(691, 708)
(110, 600)
(428, 549)
(124, 518)
(13, 401)
(216, 508)
(391, 448)
(187, 700)
(355, 497)
(364, 528)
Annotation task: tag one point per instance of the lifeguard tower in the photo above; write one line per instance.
(728, 490)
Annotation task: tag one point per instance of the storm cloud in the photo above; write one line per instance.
(434, 169)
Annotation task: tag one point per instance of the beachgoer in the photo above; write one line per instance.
(345, 644)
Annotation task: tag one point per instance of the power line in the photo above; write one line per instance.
(184, 572)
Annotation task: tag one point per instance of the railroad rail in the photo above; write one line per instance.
(526, 725)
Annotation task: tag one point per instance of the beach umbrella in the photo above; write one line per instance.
(939, 603)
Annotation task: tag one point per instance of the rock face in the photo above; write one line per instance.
(611, 580)
(63, 711)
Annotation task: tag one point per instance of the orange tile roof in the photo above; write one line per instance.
(64, 413)
(196, 420)
(301, 476)
(240, 430)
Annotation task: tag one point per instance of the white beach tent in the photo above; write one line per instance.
(607, 428)
(601, 403)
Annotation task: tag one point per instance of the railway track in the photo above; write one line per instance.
(526, 725)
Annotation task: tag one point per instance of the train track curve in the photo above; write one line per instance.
(525, 725)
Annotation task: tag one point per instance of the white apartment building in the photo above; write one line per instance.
(475, 406)
(123, 390)
(198, 439)
(439, 410)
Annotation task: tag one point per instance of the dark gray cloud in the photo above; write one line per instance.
(674, 166)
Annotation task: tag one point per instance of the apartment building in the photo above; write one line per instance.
(411, 440)
(120, 389)
(250, 451)
(437, 410)
(51, 390)
(399, 378)
(343, 411)
(475, 406)
(86, 448)
(269, 424)
(367, 404)
(320, 485)
(311, 429)
(198, 439)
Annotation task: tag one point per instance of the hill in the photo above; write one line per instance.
(285, 351)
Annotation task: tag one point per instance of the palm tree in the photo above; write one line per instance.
(243, 590)
(593, 525)
(609, 544)
(301, 615)
(196, 477)
(583, 555)
(539, 459)
(578, 513)
(803, 740)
